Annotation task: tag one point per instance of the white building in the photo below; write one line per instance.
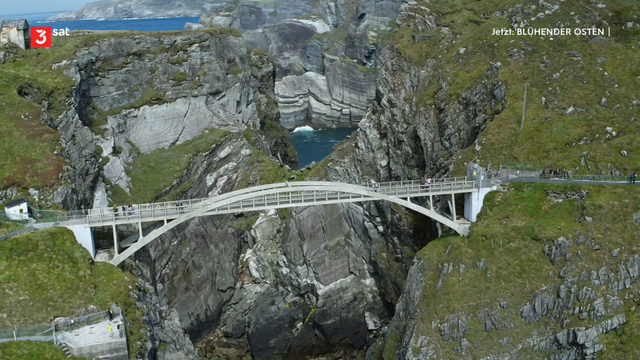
(17, 209)
(15, 32)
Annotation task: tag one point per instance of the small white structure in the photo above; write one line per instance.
(15, 32)
(17, 209)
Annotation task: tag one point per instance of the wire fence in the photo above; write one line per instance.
(68, 324)
(529, 171)
(29, 332)
(46, 216)
(16, 233)
(47, 332)
(521, 166)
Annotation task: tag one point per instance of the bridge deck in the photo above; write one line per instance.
(276, 196)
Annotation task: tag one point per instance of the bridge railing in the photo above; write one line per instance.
(434, 182)
(44, 332)
(284, 194)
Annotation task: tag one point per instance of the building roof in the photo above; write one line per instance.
(14, 203)
(21, 24)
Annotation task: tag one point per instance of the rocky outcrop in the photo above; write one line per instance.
(140, 94)
(400, 139)
(325, 45)
(289, 286)
(254, 15)
(137, 9)
(284, 42)
(340, 98)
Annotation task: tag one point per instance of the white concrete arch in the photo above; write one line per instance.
(276, 196)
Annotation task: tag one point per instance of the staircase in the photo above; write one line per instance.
(65, 349)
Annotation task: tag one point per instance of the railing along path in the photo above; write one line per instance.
(275, 196)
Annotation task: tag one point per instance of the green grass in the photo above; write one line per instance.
(523, 219)
(152, 173)
(180, 76)
(365, 69)
(244, 224)
(234, 71)
(47, 273)
(30, 350)
(263, 171)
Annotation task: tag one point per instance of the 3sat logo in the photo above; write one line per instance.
(41, 36)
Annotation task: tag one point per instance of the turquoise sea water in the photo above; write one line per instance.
(146, 25)
(315, 145)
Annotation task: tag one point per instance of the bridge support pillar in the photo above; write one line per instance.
(84, 236)
(473, 202)
(453, 206)
(140, 229)
(115, 239)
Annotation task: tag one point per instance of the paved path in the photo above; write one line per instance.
(564, 181)
(91, 334)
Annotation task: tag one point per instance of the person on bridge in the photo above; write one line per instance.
(428, 181)
(375, 186)
(110, 328)
(632, 179)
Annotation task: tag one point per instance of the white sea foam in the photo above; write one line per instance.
(303, 128)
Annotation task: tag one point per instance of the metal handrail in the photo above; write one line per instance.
(286, 194)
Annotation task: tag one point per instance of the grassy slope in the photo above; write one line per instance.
(522, 218)
(30, 350)
(581, 83)
(151, 173)
(47, 273)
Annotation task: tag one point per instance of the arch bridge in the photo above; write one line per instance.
(167, 215)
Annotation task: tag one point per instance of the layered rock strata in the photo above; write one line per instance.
(340, 98)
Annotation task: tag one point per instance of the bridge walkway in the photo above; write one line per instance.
(277, 196)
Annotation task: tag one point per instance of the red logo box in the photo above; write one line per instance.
(41, 37)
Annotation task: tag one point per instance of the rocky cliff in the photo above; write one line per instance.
(341, 97)
(138, 96)
(576, 290)
(309, 281)
(528, 283)
(326, 54)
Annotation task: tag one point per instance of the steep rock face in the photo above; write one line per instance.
(346, 33)
(349, 66)
(399, 139)
(253, 15)
(339, 98)
(283, 42)
(145, 93)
